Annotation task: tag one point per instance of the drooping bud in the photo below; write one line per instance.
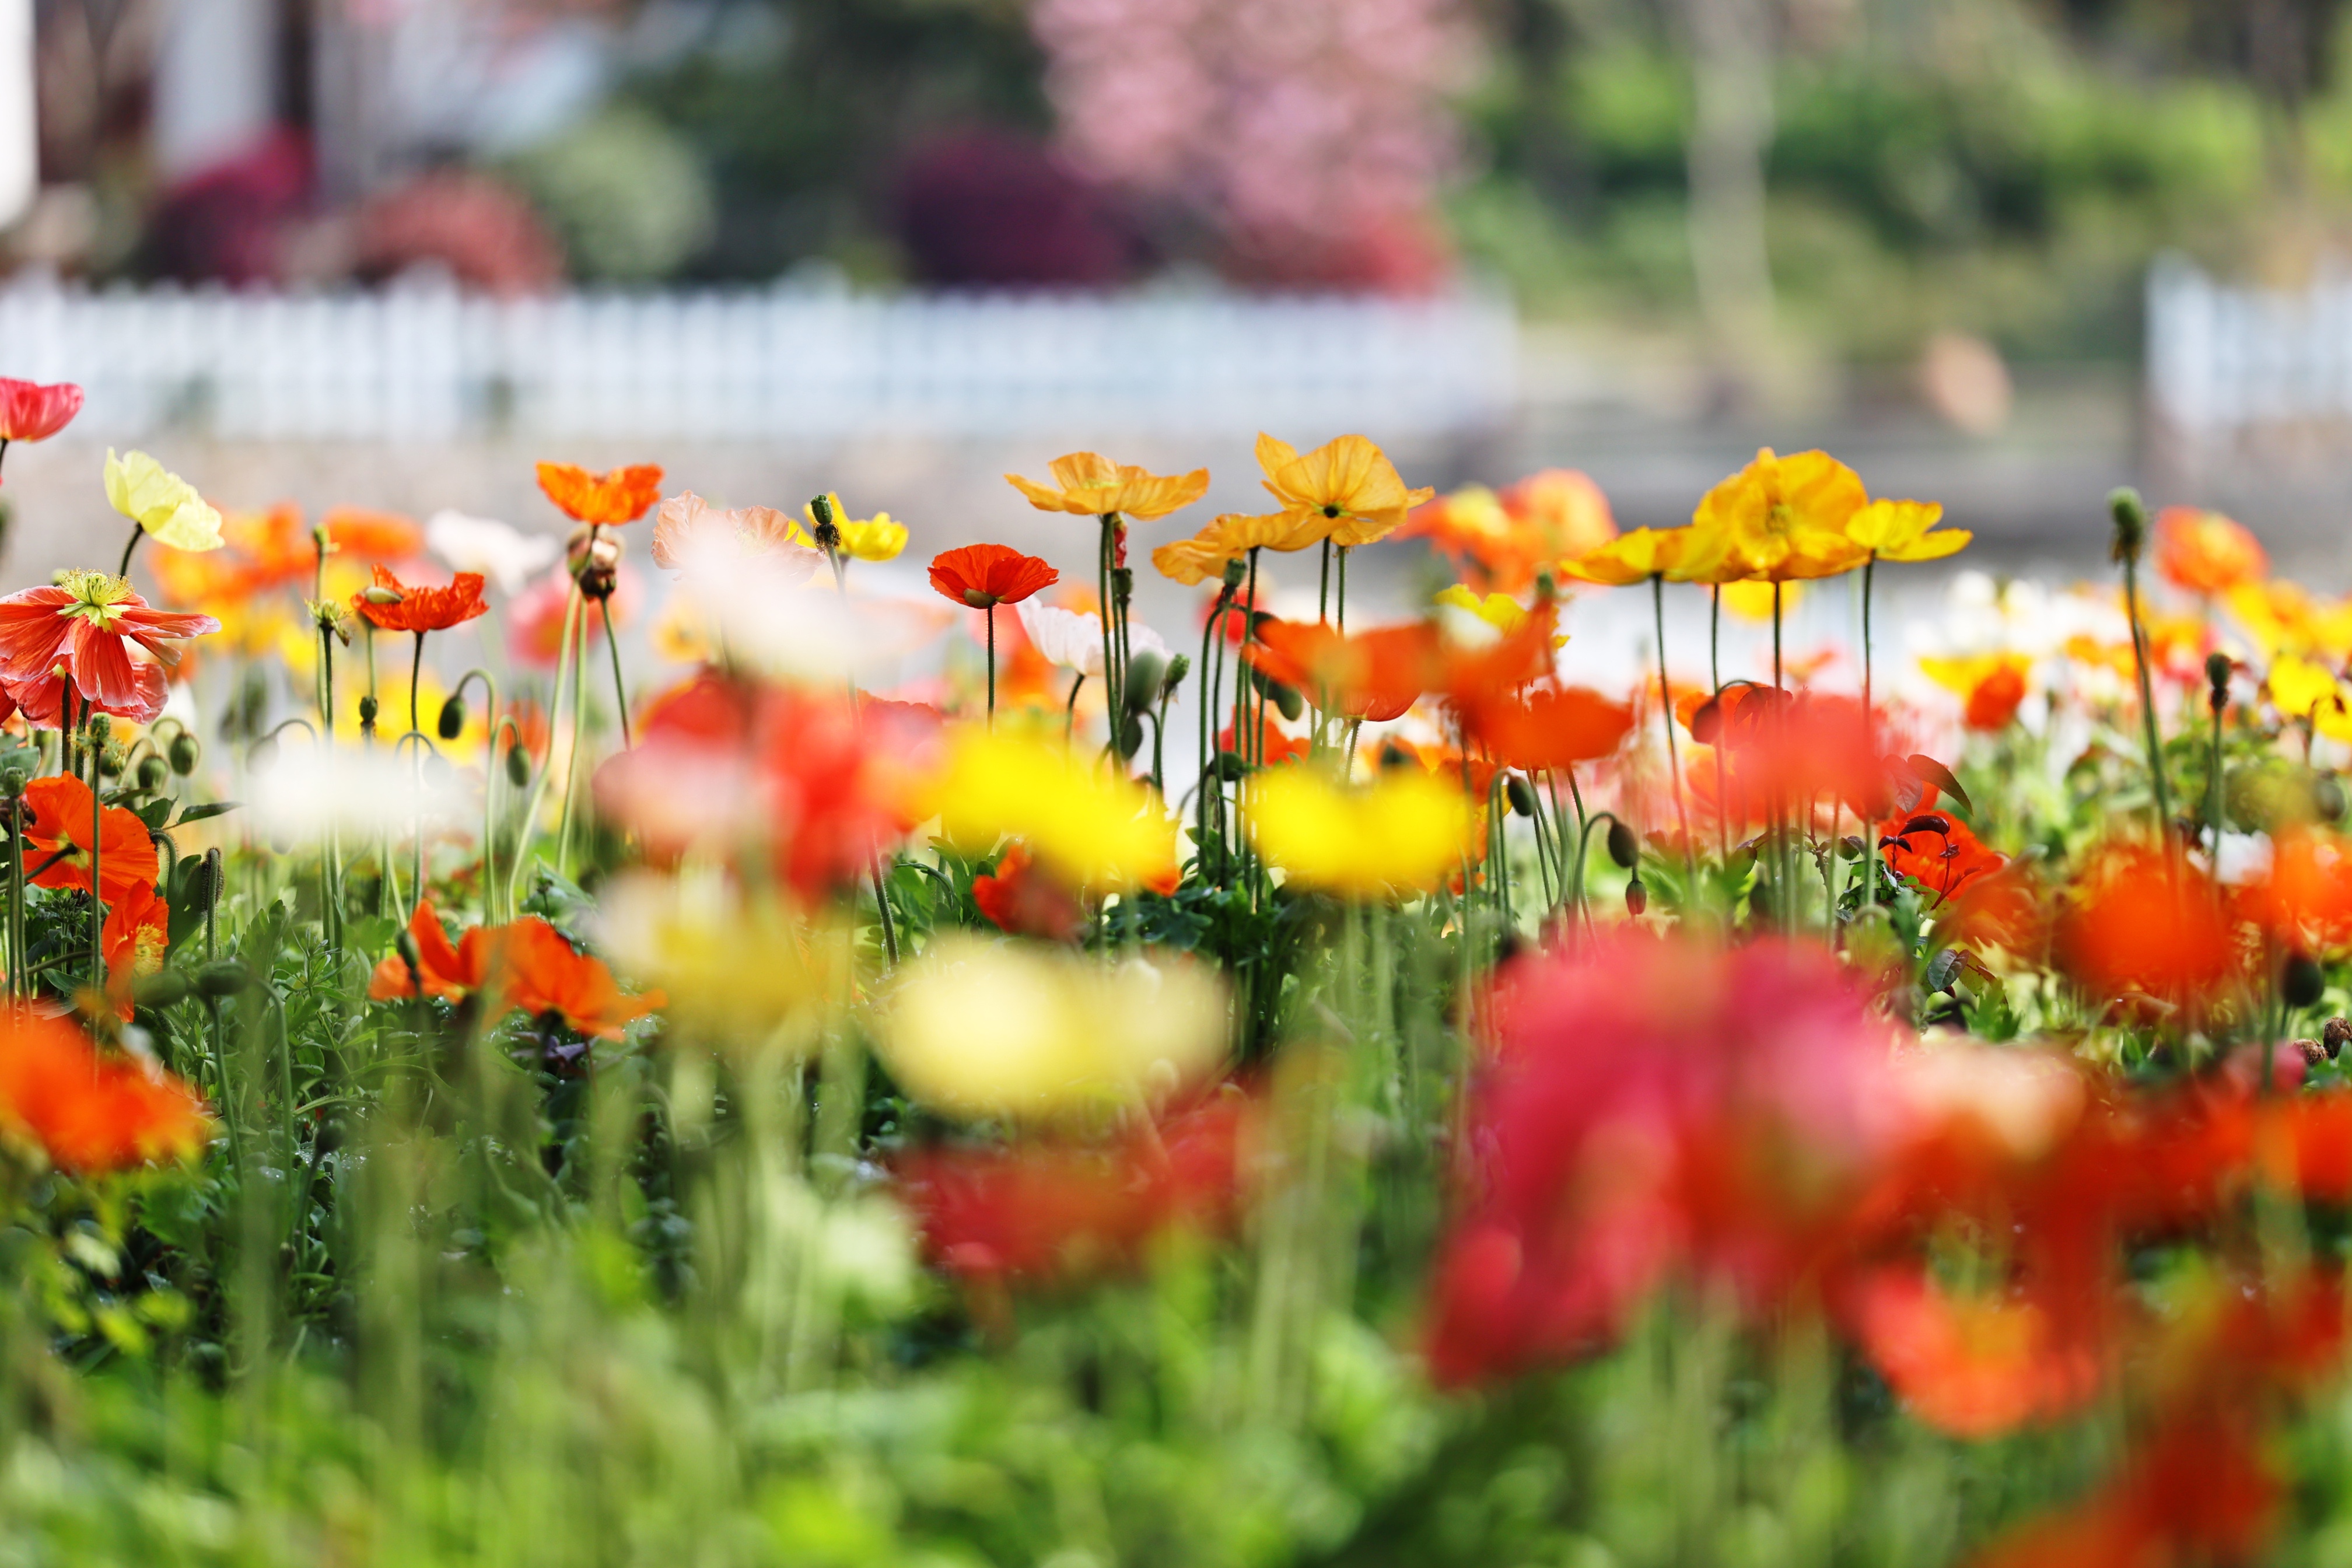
(1637, 898)
(1131, 736)
(2130, 514)
(369, 709)
(152, 772)
(185, 753)
(1285, 699)
(200, 888)
(165, 988)
(1520, 794)
(1231, 768)
(2302, 982)
(518, 766)
(1623, 847)
(225, 978)
(2217, 675)
(1178, 668)
(1143, 676)
(378, 595)
(453, 717)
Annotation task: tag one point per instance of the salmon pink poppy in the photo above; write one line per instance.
(31, 412)
(56, 841)
(420, 609)
(986, 575)
(93, 1112)
(619, 495)
(82, 629)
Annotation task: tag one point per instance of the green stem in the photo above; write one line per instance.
(991, 667)
(97, 877)
(1070, 708)
(1667, 712)
(2148, 706)
(620, 690)
(138, 532)
(564, 667)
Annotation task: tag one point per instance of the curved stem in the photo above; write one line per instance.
(620, 690)
(138, 532)
(1070, 708)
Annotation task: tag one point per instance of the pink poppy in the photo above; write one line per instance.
(30, 411)
(85, 627)
(535, 617)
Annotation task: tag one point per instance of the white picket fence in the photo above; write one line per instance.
(428, 363)
(2222, 360)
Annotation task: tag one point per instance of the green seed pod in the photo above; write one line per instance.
(1286, 699)
(1637, 898)
(1231, 768)
(2301, 981)
(1144, 673)
(225, 978)
(1623, 847)
(518, 766)
(1178, 668)
(2130, 514)
(102, 729)
(11, 782)
(201, 886)
(185, 753)
(453, 717)
(1131, 736)
(2217, 675)
(369, 709)
(112, 760)
(1520, 794)
(160, 989)
(1236, 569)
(152, 772)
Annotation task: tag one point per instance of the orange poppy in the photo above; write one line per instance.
(620, 495)
(1091, 485)
(58, 839)
(135, 937)
(1937, 851)
(1971, 1367)
(421, 610)
(1374, 675)
(1549, 728)
(986, 575)
(1278, 747)
(371, 535)
(1019, 899)
(526, 965)
(2206, 552)
(92, 1111)
(2136, 923)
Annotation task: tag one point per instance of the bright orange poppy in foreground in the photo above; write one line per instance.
(58, 839)
(986, 575)
(92, 1111)
(421, 609)
(621, 496)
(525, 964)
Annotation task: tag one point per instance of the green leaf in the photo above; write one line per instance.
(210, 808)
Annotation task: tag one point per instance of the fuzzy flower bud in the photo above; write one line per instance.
(2130, 514)
(2217, 675)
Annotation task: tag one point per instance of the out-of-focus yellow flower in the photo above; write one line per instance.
(1633, 557)
(1499, 611)
(738, 971)
(2280, 617)
(681, 632)
(1093, 827)
(161, 502)
(1402, 832)
(876, 538)
(1346, 489)
(1906, 531)
(980, 1029)
(2297, 685)
(1752, 601)
(1094, 486)
(1232, 536)
(1784, 518)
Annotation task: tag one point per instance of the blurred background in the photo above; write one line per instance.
(2001, 253)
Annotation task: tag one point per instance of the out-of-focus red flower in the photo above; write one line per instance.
(1022, 900)
(1994, 701)
(2198, 1491)
(985, 575)
(369, 535)
(58, 839)
(620, 495)
(2133, 923)
(2306, 899)
(421, 609)
(524, 964)
(1937, 850)
(1499, 542)
(1548, 727)
(1374, 675)
(1044, 1214)
(1795, 747)
(729, 764)
(1972, 1367)
(535, 617)
(2206, 552)
(1520, 656)
(1648, 1107)
(92, 1111)
(31, 412)
(1278, 748)
(87, 623)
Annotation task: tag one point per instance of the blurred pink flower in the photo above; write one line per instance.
(535, 618)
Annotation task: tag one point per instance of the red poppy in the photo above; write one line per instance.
(137, 935)
(526, 965)
(420, 609)
(85, 625)
(1548, 727)
(2307, 896)
(1018, 899)
(986, 575)
(1519, 657)
(1275, 748)
(620, 495)
(371, 535)
(30, 411)
(1937, 850)
(2132, 923)
(2198, 1491)
(1374, 675)
(1973, 1368)
(56, 841)
(92, 1111)
(1994, 701)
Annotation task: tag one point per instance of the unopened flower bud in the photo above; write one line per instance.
(225, 978)
(1637, 898)
(828, 527)
(1178, 668)
(1123, 584)
(1520, 794)
(1623, 847)
(1285, 699)
(2130, 514)
(102, 729)
(1231, 768)
(369, 709)
(152, 772)
(518, 766)
(1143, 675)
(453, 717)
(2217, 675)
(595, 559)
(112, 760)
(163, 988)
(185, 753)
(11, 782)
(202, 887)
(2338, 1030)
(1236, 569)
(2301, 981)
(1131, 736)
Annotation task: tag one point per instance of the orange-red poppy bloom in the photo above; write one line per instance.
(1548, 727)
(137, 935)
(420, 609)
(525, 964)
(31, 412)
(58, 841)
(372, 535)
(986, 575)
(1018, 899)
(87, 624)
(1374, 675)
(1972, 1367)
(622, 495)
(2206, 552)
(2134, 923)
(92, 1111)
(1937, 850)
(1277, 747)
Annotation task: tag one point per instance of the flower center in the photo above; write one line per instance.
(95, 597)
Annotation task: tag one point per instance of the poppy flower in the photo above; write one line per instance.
(87, 624)
(2132, 922)
(1373, 675)
(1906, 531)
(1094, 829)
(92, 1113)
(31, 412)
(2196, 1491)
(1500, 542)
(421, 609)
(1088, 484)
(161, 502)
(1401, 834)
(1346, 490)
(1937, 851)
(1783, 518)
(443, 971)
(687, 530)
(620, 495)
(135, 937)
(500, 551)
(1972, 1367)
(986, 575)
(525, 964)
(1633, 557)
(371, 535)
(1021, 901)
(1229, 538)
(535, 617)
(1275, 748)
(2205, 553)
(1549, 728)
(1991, 687)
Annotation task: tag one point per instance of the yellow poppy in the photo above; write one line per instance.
(1094, 486)
(1786, 517)
(1404, 833)
(1232, 536)
(161, 502)
(1753, 600)
(2297, 685)
(1500, 611)
(1906, 531)
(1346, 490)
(1093, 828)
(1633, 557)
(876, 538)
